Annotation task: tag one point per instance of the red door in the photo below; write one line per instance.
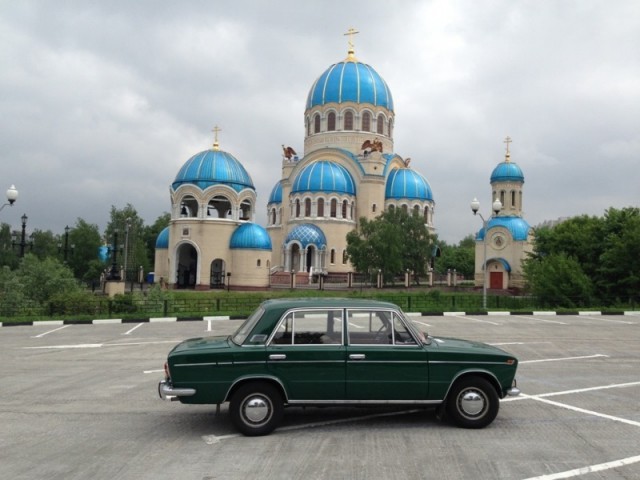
(495, 280)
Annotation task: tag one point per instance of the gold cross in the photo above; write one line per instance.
(352, 31)
(215, 130)
(507, 141)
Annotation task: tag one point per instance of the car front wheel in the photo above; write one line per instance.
(256, 408)
(472, 403)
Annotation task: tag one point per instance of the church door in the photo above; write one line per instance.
(495, 280)
(217, 273)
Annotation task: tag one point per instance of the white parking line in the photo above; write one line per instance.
(515, 343)
(50, 331)
(422, 323)
(597, 355)
(539, 319)
(476, 319)
(577, 390)
(607, 320)
(133, 329)
(590, 469)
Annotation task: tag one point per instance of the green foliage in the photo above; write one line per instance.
(84, 242)
(151, 232)
(393, 243)
(460, 257)
(42, 279)
(8, 256)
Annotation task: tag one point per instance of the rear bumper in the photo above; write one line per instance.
(168, 392)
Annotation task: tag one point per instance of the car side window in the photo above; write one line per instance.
(310, 327)
(401, 335)
(370, 327)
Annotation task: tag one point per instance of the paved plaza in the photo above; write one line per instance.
(80, 401)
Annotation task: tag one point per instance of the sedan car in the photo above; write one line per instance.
(301, 352)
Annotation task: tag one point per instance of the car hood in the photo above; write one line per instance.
(202, 343)
(457, 344)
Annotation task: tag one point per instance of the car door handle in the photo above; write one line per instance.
(357, 356)
(277, 356)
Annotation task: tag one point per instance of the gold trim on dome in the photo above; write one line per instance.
(216, 144)
(507, 156)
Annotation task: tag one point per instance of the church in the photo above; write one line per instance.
(349, 170)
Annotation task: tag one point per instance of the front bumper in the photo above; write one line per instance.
(167, 392)
(514, 391)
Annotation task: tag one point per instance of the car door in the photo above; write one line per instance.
(306, 353)
(384, 361)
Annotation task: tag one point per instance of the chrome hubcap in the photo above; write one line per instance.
(472, 403)
(256, 409)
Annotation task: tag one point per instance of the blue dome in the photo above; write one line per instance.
(307, 234)
(276, 194)
(350, 81)
(324, 176)
(163, 239)
(213, 167)
(517, 226)
(507, 172)
(250, 236)
(407, 183)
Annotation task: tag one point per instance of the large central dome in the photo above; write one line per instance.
(350, 81)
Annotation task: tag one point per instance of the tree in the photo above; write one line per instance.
(44, 244)
(393, 243)
(8, 256)
(85, 240)
(41, 279)
(130, 228)
(460, 257)
(151, 232)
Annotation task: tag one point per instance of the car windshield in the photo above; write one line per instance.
(247, 326)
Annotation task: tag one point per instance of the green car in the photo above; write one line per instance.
(318, 351)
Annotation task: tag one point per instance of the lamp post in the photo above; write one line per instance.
(23, 243)
(12, 196)
(66, 248)
(114, 273)
(126, 247)
(496, 207)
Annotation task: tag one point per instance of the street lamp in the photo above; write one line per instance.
(114, 274)
(12, 196)
(23, 243)
(496, 207)
(66, 248)
(126, 247)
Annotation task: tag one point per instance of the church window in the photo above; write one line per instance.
(373, 208)
(380, 124)
(348, 121)
(334, 208)
(316, 121)
(331, 122)
(219, 207)
(405, 208)
(416, 209)
(258, 263)
(426, 215)
(297, 208)
(502, 193)
(321, 207)
(273, 216)
(344, 209)
(366, 122)
(307, 207)
(333, 256)
(392, 208)
(513, 199)
(245, 210)
(344, 257)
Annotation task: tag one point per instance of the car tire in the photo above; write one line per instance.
(256, 408)
(472, 403)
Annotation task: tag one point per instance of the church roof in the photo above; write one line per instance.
(407, 183)
(307, 234)
(350, 81)
(213, 167)
(507, 172)
(163, 239)
(250, 236)
(517, 226)
(324, 176)
(276, 193)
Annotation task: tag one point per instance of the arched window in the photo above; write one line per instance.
(392, 208)
(426, 215)
(316, 122)
(320, 207)
(333, 256)
(344, 209)
(334, 208)
(405, 208)
(502, 192)
(307, 207)
(331, 122)
(366, 122)
(258, 263)
(297, 208)
(348, 121)
(380, 124)
(273, 216)
(373, 208)
(344, 257)
(513, 199)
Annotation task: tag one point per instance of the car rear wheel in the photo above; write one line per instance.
(472, 403)
(256, 408)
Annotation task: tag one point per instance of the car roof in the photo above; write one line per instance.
(326, 302)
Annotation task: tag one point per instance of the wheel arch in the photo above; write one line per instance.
(490, 377)
(257, 379)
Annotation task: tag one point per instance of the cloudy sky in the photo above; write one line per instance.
(101, 102)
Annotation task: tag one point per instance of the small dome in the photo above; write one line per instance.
(276, 194)
(407, 183)
(350, 81)
(324, 176)
(517, 226)
(307, 234)
(250, 236)
(163, 239)
(507, 172)
(213, 167)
